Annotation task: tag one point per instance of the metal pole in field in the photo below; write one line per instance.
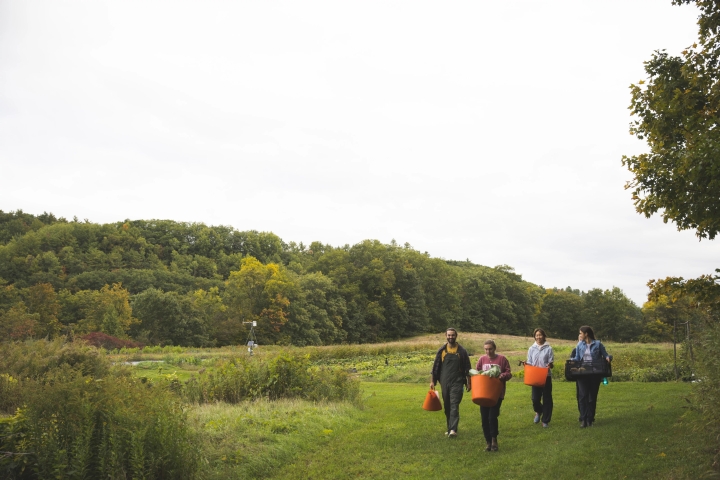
(252, 339)
(675, 346)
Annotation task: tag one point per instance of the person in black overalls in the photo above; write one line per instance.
(452, 369)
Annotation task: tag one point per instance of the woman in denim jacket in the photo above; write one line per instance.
(588, 386)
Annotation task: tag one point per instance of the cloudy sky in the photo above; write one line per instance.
(488, 131)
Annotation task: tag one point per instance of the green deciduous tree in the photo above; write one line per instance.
(677, 112)
(259, 293)
(107, 310)
(17, 323)
(560, 313)
(9, 295)
(497, 300)
(213, 313)
(42, 300)
(167, 318)
(17, 223)
(317, 311)
(612, 315)
(665, 312)
(442, 289)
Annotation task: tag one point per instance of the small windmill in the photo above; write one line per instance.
(252, 339)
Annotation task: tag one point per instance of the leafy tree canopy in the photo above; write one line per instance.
(677, 113)
(166, 282)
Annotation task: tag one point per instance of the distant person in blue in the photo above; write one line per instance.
(588, 386)
(540, 354)
(577, 390)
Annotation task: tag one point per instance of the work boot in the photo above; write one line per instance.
(494, 445)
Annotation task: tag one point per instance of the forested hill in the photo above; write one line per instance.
(167, 282)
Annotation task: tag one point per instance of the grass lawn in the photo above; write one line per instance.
(638, 434)
(405, 361)
(642, 429)
(254, 439)
(161, 371)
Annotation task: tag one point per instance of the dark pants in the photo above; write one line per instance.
(489, 416)
(543, 401)
(452, 394)
(588, 389)
(577, 397)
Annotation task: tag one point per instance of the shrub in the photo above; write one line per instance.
(75, 417)
(706, 394)
(74, 426)
(35, 358)
(283, 376)
(108, 342)
(332, 384)
(10, 392)
(659, 373)
(287, 376)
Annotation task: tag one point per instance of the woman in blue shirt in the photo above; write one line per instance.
(588, 386)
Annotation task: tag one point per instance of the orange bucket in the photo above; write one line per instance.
(485, 390)
(535, 376)
(432, 402)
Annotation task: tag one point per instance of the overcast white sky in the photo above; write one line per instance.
(488, 131)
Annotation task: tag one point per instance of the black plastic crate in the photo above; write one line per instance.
(578, 368)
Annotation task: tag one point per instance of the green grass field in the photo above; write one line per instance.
(406, 361)
(366, 420)
(640, 432)
(643, 428)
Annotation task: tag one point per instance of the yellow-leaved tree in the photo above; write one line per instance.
(259, 293)
(107, 310)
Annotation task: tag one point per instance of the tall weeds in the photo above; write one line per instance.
(69, 424)
(35, 358)
(283, 376)
(706, 394)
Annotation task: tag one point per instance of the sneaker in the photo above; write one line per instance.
(545, 425)
(537, 418)
(452, 434)
(446, 433)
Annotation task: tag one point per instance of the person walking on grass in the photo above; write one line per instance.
(540, 354)
(588, 386)
(452, 369)
(577, 388)
(489, 415)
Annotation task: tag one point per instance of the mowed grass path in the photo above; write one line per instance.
(639, 433)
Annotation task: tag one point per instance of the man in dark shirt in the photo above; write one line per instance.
(452, 369)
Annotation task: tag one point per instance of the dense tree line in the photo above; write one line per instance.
(166, 282)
